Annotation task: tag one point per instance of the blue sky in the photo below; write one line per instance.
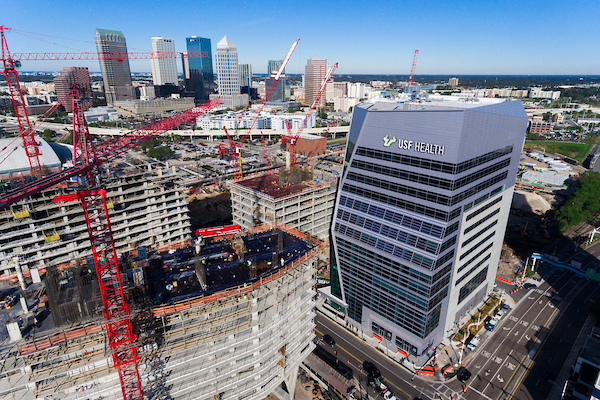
(364, 37)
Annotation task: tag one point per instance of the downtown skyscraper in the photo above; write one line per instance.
(314, 74)
(116, 74)
(67, 79)
(197, 71)
(228, 78)
(421, 212)
(164, 70)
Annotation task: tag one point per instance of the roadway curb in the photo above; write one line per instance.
(535, 349)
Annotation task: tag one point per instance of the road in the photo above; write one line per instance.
(543, 327)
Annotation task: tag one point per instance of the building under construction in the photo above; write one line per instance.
(146, 208)
(231, 319)
(290, 196)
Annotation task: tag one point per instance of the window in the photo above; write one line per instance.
(472, 285)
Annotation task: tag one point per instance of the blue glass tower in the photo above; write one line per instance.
(198, 72)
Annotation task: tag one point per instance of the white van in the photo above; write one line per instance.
(473, 343)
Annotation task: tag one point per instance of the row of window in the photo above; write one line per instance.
(407, 205)
(465, 265)
(394, 217)
(432, 165)
(385, 246)
(361, 295)
(388, 231)
(484, 208)
(429, 180)
(451, 229)
(424, 194)
(375, 263)
(483, 198)
(478, 223)
(472, 285)
(479, 264)
(478, 234)
(472, 249)
(403, 344)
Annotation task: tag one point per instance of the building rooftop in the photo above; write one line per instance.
(15, 160)
(269, 184)
(591, 350)
(404, 102)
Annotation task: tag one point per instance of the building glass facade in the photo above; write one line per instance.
(116, 74)
(198, 72)
(421, 212)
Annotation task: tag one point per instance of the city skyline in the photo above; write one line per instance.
(461, 38)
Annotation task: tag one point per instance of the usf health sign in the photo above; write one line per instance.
(592, 274)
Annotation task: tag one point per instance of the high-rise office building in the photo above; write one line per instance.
(314, 73)
(164, 70)
(281, 91)
(116, 74)
(245, 72)
(273, 67)
(69, 77)
(198, 72)
(421, 213)
(227, 74)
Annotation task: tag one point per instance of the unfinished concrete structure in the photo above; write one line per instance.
(290, 197)
(234, 322)
(146, 209)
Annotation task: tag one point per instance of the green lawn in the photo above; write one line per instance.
(578, 151)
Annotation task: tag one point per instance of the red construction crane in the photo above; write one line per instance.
(27, 133)
(414, 67)
(12, 62)
(87, 158)
(294, 139)
(236, 154)
(264, 148)
(235, 148)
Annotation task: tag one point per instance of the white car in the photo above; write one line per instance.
(389, 396)
(499, 315)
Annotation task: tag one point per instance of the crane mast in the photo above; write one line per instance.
(414, 67)
(313, 106)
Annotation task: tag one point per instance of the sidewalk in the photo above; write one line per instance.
(565, 372)
(446, 352)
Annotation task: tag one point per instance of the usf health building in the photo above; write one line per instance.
(421, 212)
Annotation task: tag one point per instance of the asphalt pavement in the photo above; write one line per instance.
(536, 335)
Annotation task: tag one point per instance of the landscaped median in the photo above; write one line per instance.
(472, 326)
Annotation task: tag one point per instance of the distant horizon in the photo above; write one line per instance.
(463, 36)
(589, 76)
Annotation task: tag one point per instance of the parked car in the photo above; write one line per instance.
(505, 307)
(499, 315)
(473, 343)
(530, 286)
(491, 324)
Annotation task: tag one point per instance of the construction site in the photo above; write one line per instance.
(230, 319)
(117, 297)
(289, 196)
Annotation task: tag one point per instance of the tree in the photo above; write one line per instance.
(160, 153)
(48, 135)
(322, 115)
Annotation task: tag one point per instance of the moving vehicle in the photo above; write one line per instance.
(329, 340)
(463, 374)
(371, 370)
